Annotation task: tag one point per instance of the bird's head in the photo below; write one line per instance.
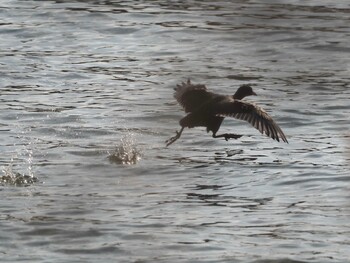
(244, 91)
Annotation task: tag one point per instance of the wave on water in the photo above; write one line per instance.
(126, 152)
(278, 261)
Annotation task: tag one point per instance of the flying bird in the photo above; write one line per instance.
(207, 109)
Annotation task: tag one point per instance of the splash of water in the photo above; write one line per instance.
(11, 177)
(126, 152)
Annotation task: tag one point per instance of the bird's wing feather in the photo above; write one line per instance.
(191, 96)
(251, 113)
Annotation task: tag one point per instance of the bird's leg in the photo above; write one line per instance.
(227, 136)
(173, 139)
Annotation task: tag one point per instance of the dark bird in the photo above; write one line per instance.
(207, 109)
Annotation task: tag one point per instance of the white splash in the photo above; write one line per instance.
(126, 152)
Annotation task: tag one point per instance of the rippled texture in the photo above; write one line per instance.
(78, 77)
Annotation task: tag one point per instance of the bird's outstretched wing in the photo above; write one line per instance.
(251, 113)
(191, 96)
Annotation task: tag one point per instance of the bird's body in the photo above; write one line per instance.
(208, 109)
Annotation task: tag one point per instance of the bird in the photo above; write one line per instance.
(207, 109)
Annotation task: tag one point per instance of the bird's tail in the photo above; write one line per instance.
(187, 121)
(193, 120)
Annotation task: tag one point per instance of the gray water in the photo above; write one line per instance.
(86, 104)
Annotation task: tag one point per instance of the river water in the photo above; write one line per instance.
(86, 94)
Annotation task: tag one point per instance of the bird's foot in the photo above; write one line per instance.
(232, 136)
(173, 139)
